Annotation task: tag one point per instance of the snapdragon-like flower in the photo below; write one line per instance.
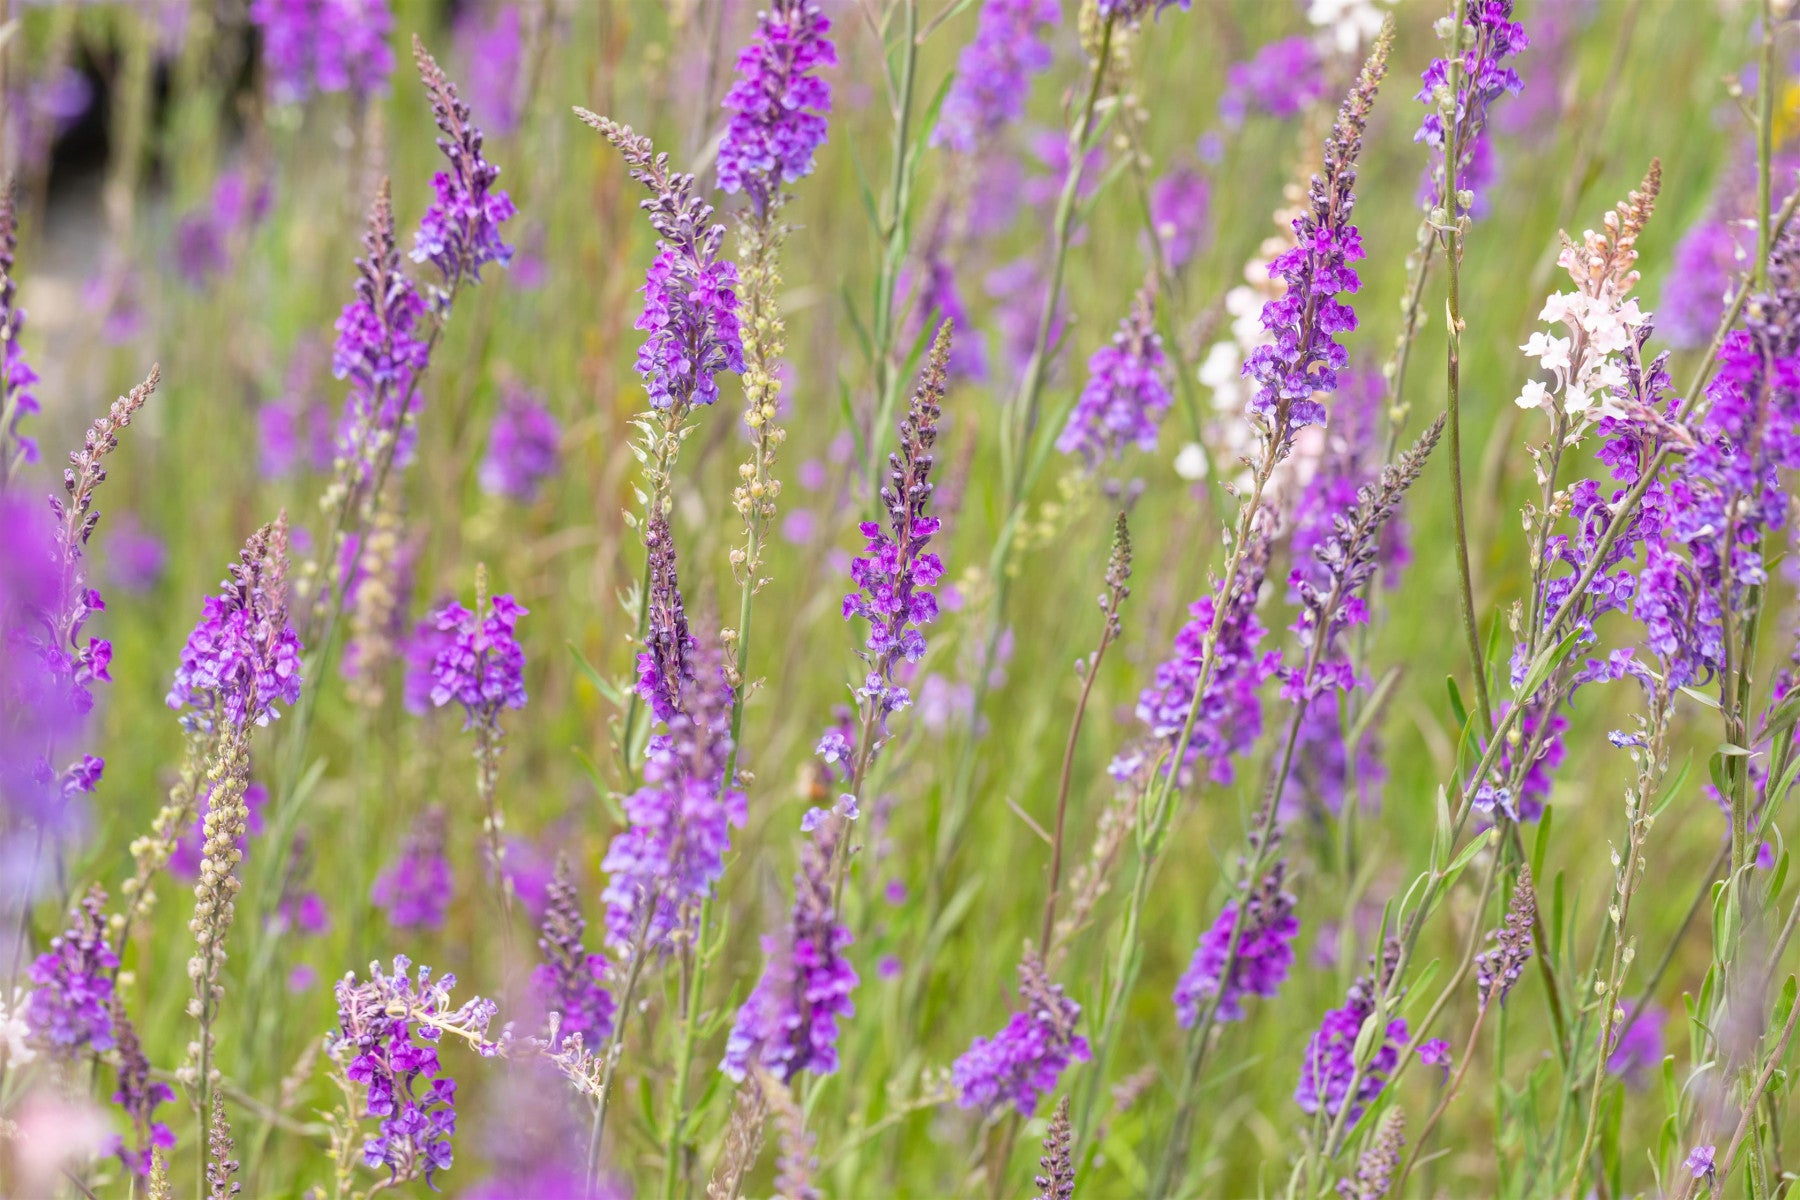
(690, 316)
(993, 74)
(17, 400)
(1127, 392)
(665, 862)
(1303, 357)
(571, 982)
(896, 574)
(1329, 1068)
(1229, 717)
(389, 1028)
(415, 889)
(381, 350)
(1026, 1059)
(243, 658)
(1490, 36)
(789, 1024)
(523, 447)
(778, 104)
(461, 230)
(1260, 963)
(482, 667)
(324, 46)
(70, 1007)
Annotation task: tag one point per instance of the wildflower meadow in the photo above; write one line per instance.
(899, 598)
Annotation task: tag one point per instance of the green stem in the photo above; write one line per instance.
(694, 985)
(894, 234)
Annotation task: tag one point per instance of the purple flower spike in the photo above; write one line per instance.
(243, 657)
(324, 46)
(570, 981)
(993, 75)
(1329, 1068)
(778, 105)
(523, 448)
(461, 230)
(664, 666)
(70, 1008)
(1280, 80)
(139, 1098)
(483, 667)
(790, 1022)
(1127, 392)
(17, 400)
(1303, 356)
(379, 349)
(415, 889)
(1264, 955)
(1025, 1060)
(387, 1041)
(1490, 37)
(896, 572)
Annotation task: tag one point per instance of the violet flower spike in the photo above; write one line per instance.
(664, 666)
(1260, 963)
(324, 46)
(69, 1010)
(379, 352)
(1330, 1063)
(483, 667)
(778, 104)
(1496, 970)
(1489, 38)
(571, 982)
(17, 400)
(461, 230)
(1026, 1059)
(1127, 392)
(415, 889)
(993, 73)
(140, 1098)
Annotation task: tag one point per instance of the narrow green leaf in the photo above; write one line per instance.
(1457, 708)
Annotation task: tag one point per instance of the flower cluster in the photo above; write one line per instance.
(896, 573)
(17, 400)
(690, 316)
(243, 657)
(461, 230)
(1490, 36)
(1589, 366)
(139, 1097)
(414, 891)
(778, 104)
(204, 237)
(789, 1024)
(1498, 969)
(571, 982)
(1265, 926)
(1127, 392)
(70, 1007)
(1280, 80)
(491, 44)
(1375, 1167)
(389, 1028)
(993, 74)
(667, 859)
(1025, 1060)
(380, 349)
(481, 666)
(1228, 718)
(523, 447)
(324, 46)
(1180, 204)
(1303, 357)
(1329, 1069)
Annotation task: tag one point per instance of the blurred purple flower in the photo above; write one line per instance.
(522, 447)
(1259, 965)
(993, 74)
(570, 981)
(324, 46)
(69, 1008)
(1280, 80)
(415, 888)
(1126, 395)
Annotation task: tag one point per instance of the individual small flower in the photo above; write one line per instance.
(70, 1008)
(1280, 80)
(17, 400)
(324, 46)
(1375, 1168)
(415, 889)
(389, 1028)
(1058, 1164)
(690, 316)
(1265, 926)
(1303, 357)
(571, 982)
(993, 74)
(665, 862)
(1435, 1053)
(1699, 1163)
(1329, 1068)
(523, 447)
(482, 667)
(139, 1097)
(243, 657)
(896, 574)
(778, 104)
(1127, 392)
(1498, 969)
(1026, 1059)
(460, 232)
(1490, 36)
(789, 1024)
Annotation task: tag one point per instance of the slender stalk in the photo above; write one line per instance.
(614, 1047)
(693, 985)
(894, 232)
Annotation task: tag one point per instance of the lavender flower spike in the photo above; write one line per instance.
(379, 351)
(1258, 966)
(778, 105)
(993, 73)
(243, 657)
(483, 667)
(1498, 969)
(1375, 1169)
(1303, 356)
(570, 981)
(461, 229)
(664, 665)
(790, 1022)
(896, 574)
(1330, 1064)
(16, 376)
(1489, 38)
(690, 303)
(1027, 1058)
(70, 1007)
(1127, 391)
